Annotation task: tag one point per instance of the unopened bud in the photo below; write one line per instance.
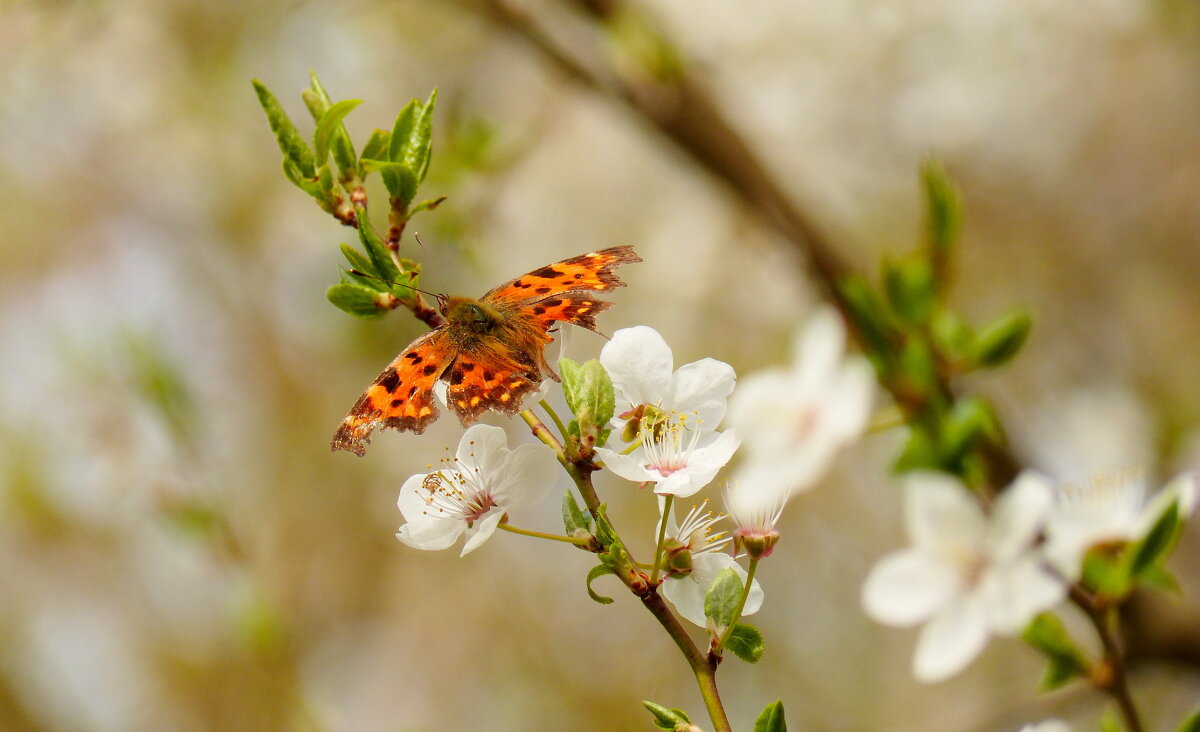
(758, 544)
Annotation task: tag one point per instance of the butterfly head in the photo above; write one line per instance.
(470, 314)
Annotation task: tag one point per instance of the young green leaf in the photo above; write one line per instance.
(377, 145)
(667, 718)
(722, 598)
(399, 180)
(411, 142)
(589, 393)
(291, 144)
(771, 719)
(1192, 723)
(599, 571)
(1147, 552)
(361, 263)
(329, 126)
(1001, 340)
(1047, 634)
(575, 520)
(944, 211)
(375, 248)
(428, 204)
(746, 642)
(910, 291)
(358, 300)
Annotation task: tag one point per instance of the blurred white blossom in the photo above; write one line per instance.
(967, 576)
(793, 422)
(1108, 508)
(1047, 725)
(472, 493)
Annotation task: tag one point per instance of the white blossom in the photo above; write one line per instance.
(1108, 508)
(967, 576)
(474, 490)
(793, 422)
(686, 592)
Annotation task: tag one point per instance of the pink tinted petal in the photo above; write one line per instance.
(482, 530)
(908, 587)
(951, 640)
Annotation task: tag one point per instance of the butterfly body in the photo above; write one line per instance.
(489, 351)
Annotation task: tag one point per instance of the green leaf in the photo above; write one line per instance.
(599, 571)
(666, 718)
(399, 180)
(1047, 634)
(361, 262)
(952, 335)
(376, 250)
(291, 144)
(1105, 573)
(919, 452)
(1191, 723)
(722, 598)
(1147, 552)
(308, 185)
(909, 286)
(575, 520)
(377, 145)
(869, 319)
(589, 393)
(329, 126)
(428, 204)
(358, 300)
(944, 213)
(1158, 577)
(972, 420)
(771, 719)
(411, 137)
(1001, 340)
(746, 642)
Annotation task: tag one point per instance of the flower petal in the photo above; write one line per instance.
(941, 517)
(639, 362)
(1182, 489)
(951, 640)
(1019, 515)
(848, 405)
(482, 530)
(482, 448)
(630, 467)
(701, 388)
(527, 473)
(908, 587)
(1014, 594)
(819, 348)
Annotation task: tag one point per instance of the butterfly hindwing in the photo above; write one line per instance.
(488, 379)
(401, 397)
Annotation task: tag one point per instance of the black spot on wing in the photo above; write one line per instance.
(390, 380)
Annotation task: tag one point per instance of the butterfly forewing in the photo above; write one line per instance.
(591, 272)
(401, 397)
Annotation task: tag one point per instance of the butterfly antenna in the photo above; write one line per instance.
(360, 273)
(417, 236)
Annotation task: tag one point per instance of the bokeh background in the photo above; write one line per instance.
(180, 551)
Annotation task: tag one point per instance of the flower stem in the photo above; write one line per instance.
(577, 541)
(562, 430)
(543, 433)
(662, 534)
(741, 605)
(1117, 686)
(705, 669)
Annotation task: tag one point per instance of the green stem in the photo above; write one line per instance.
(741, 605)
(577, 541)
(662, 534)
(543, 433)
(562, 430)
(705, 669)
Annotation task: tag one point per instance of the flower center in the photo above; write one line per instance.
(458, 494)
(669, 445)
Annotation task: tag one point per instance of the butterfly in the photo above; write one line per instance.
(489, 351)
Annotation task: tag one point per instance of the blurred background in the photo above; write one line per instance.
(180, 551)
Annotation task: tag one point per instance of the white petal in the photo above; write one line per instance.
(482, 530)
(908, 587)
(688, 598)
(1019, 515)
(482, 447)
(1013, 595)
(701, 387)
(951, 640)
(687, 594)
(1049, 725)
(850, 400)
(713, 452)
(527, 474)
(630, 467)
(820, 348)
(761, 409)
(942, 516)
(424, 528)
(639, 362)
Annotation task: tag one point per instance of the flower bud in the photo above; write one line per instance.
(757, 544)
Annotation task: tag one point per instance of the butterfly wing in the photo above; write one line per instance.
(402, 397)
(491, 376)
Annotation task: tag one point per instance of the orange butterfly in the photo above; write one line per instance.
(489, 350)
